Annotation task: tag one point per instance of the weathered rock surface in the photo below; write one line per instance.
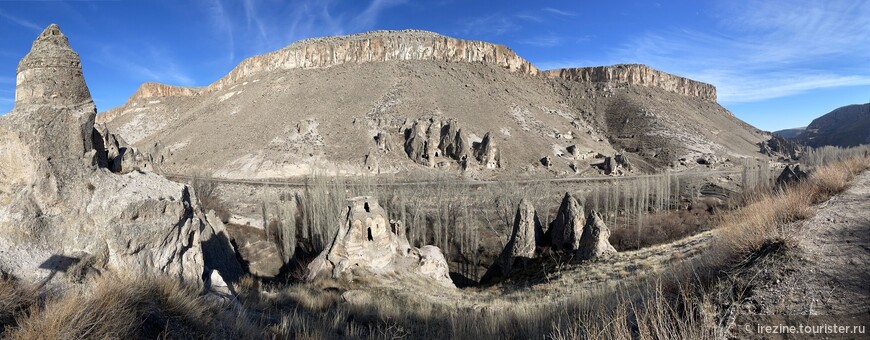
(58, 206)
(217, 250)
(376, 46)
(487, 153)
(526, 237)
(791, 174)
(636, 74)
(594, 242)
(565, 230)
(778, 146)
(369, 246)
(431, 141)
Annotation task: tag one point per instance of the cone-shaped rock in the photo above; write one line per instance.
(368, 245)
(594, 243)
(566, 229)
(51, 73)
(526, 236)
(58, 208)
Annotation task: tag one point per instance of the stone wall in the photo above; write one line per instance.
(637, 74)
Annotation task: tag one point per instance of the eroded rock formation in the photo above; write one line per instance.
(594, 243)
(430, 141)
(636, 74)
(791, 174)
(527, 235)
(58, 206)
(367, 245)
(566, 229)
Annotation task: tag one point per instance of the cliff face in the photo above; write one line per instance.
(636, 74)
(377, 46)
(152, 90)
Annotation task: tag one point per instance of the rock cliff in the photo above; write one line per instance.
(376, 46)
(636, 74)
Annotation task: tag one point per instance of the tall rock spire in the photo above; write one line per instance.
(51, 74)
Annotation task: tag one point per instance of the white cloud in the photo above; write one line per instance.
(763, 50)
(559, 12)
(154, 65)
(543, 41)
(20, 22)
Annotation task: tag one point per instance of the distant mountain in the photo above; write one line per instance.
(790, 133)
(845, 126)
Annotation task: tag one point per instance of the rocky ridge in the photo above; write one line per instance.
(636, 74)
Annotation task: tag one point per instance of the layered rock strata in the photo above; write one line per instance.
(636, 74)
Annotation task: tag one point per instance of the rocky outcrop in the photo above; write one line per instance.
(527, 235)
(487, 153)
(594, 243)
(565, 230)
(791, 174)
(373, 47)
(778, 146)
(148, 91)
(369, 246)
(639, 75)
(430, 142)
(58, 206)
(116, 155)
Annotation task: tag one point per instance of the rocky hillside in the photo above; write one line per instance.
(399, 101)
(790, 133)
(845, 126)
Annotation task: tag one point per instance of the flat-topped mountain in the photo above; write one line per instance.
(845, 126)
(397, 101)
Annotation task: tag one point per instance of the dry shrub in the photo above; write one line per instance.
(665, 227)
(15, 299)
(119, 308)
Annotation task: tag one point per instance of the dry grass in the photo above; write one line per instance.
(115, 308)
(15, 299)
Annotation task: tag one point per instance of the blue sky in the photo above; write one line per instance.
(776, 64)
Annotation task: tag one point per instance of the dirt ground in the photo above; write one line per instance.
(829, 275)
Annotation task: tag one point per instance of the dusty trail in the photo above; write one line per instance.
(832, 274)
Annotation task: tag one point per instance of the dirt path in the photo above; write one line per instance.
(831, 275)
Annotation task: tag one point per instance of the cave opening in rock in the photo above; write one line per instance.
(370, 232)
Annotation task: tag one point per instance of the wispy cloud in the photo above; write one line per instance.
(154, 65)
(559, 12)
(549, 40)
(766, 50)
(18, 21)
(491, 25)
(250, 28)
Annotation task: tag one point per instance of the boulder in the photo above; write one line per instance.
(594, 243)
(526, 236)
(415, 143)
(262, 257)
(58, 206)
(565, 230)
(791, 174)
(622, 161)
(368, 246)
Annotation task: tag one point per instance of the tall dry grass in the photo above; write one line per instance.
(125, 307)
